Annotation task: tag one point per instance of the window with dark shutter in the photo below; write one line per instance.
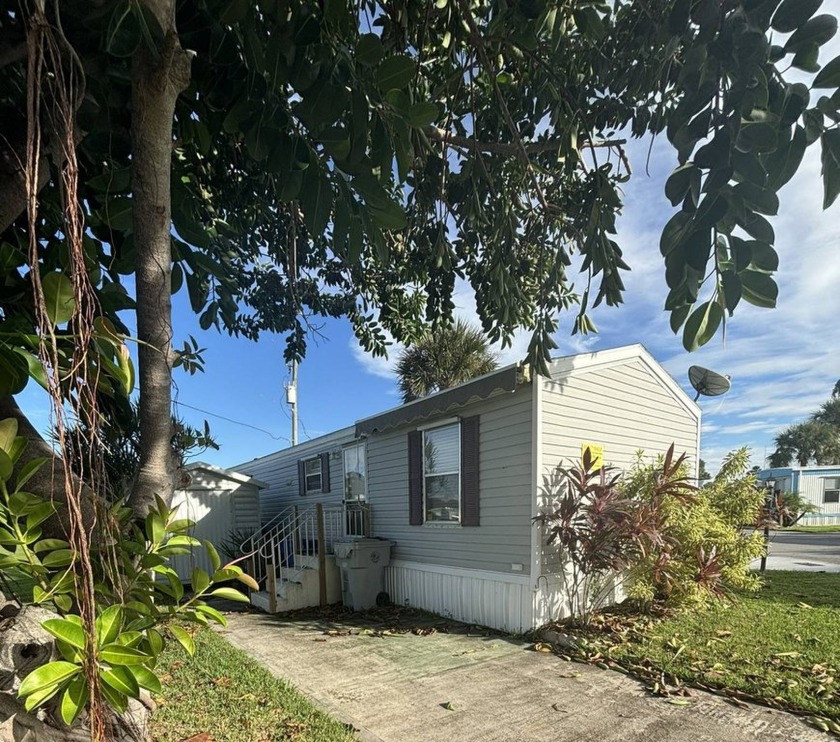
(415, 478)
(469, 471)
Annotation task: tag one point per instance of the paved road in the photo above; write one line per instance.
(807, 552)
(453, 685)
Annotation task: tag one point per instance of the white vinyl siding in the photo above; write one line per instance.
(624, 407)
(280, 472)
(505, 492)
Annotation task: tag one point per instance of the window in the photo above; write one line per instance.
(831, 490)
(355, 478)
(312, 474)
(442, 474)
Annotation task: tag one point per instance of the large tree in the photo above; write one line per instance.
(353, 159)
(288, 158)
(443, 357)
(811, 442)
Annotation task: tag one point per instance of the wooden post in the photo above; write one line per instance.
(365, 520)
(271, 586)
(322, 555)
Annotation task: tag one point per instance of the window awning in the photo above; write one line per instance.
(504, 380)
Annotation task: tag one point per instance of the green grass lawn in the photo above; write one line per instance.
(223, 692)
(781, 644)
(813, 529)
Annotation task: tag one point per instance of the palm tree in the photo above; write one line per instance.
(442, 358)
(811, 441)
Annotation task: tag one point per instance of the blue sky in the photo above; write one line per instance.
(783, 362)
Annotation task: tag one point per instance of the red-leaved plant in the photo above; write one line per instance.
(600, 533)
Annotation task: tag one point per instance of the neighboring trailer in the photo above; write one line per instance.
(225, 506)
(454, 480)
(819, 485)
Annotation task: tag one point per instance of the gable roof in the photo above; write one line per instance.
(230, 474)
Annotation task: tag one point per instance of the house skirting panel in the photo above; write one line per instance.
(552, 598)
(501, 601)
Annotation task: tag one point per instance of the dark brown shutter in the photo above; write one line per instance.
(415, 478)
(325, 472)
(301, 477)
(469, 471)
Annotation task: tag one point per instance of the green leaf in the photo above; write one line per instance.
(8, 433)
(390, 215)
(14, 371)
(762, 200)
(758, 289)
(200, 580)
(29, 470)
(316, 200)
(39, 697)
(680, 181)
(108, 624)
(184, 639)
(115, 699)
(814, 32)
(423, 114)
(369, 50)
(145, 678)
(58, 298)
(730, 285)
(763, 256)
(58, 558)
(117, 654)
(702, 325)
(830, 141)
(155, 528)
(65, 630)
(6, 466)
(47, 676)
(829, 76)
(395, 72)
(213, 555)
(211, 612)
(39, 514)
(229, 593)
(791, 14)
(121, 680)
(155, 640)
(73, 701)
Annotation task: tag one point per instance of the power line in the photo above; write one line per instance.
(235, 422)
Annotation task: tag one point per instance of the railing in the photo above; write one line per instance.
(298, 532)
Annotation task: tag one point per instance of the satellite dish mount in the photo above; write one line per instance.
(708, 383)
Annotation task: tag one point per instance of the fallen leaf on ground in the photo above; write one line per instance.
(448, 706)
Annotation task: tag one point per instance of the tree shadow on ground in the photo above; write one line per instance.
(386, 621)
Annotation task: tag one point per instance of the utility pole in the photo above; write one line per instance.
(291, 400)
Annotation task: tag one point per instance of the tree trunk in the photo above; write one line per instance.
(49, 481)
(157, 80)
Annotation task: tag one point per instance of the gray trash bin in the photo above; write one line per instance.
(362, 562)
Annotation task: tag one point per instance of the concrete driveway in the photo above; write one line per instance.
(806, 552)
(436, 681)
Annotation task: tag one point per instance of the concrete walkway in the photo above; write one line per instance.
(396, 687)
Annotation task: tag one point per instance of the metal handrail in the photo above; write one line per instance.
(296, 534)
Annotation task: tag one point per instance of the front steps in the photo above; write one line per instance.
(300, 588)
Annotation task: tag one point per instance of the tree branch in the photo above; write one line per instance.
(508, 149)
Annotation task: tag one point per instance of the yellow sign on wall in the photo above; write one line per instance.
(596, 451)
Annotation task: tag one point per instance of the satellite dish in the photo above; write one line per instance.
(708, 383)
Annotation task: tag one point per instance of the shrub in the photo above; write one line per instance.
(136, 594)
(600, 532)
(706, 553)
